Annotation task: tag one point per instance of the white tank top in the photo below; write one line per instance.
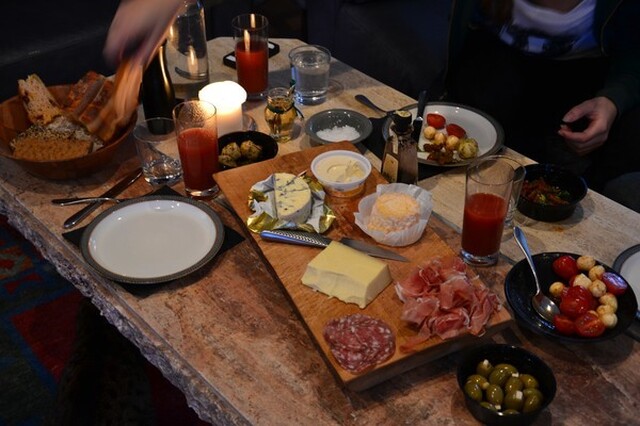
(546, 32)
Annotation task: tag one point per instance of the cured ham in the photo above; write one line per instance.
(443, 298)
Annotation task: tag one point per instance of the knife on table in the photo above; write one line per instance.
(115, 190)
(317, 240)
(419, 120)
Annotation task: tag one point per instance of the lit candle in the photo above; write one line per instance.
(228, 97)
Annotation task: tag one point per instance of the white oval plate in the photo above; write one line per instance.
(478, 125)
(628, 265)
(152, 239)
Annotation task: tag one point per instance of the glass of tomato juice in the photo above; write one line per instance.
(487, 193)
(251, 38)
(196, 129)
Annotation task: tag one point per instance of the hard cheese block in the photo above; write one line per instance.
(292, 198)
(347, 274)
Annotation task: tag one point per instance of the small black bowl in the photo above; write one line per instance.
(268, 144)
(524, 361)
(555, 176)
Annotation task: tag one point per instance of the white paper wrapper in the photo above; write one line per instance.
(316, 219)
(399, 238)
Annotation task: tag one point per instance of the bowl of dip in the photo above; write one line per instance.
(337, 125)
(342, 173)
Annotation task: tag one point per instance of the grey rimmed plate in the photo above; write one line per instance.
(627, 264)
(478, 125)
(152, 239)
(329, 119)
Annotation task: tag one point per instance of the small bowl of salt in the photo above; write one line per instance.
(337, 125)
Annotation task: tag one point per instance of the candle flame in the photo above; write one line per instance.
(192, 61)
(247, 41)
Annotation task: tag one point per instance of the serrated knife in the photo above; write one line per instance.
(115, 190)
(419, 120)
(317, 240)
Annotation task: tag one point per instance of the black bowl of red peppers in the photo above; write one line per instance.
(550, 193)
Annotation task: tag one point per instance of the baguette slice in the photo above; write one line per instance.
(40, 143)
(42, 108)
(98, 103)
(82, 94)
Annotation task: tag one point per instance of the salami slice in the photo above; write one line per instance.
(359, 342)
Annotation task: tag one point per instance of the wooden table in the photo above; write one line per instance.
(230, 340)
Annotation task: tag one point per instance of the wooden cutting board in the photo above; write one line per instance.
(290, 261)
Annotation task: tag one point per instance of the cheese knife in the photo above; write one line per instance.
(419, 120)
(317, 240)
(115, 190)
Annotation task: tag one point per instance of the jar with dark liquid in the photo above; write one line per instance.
(280, 113)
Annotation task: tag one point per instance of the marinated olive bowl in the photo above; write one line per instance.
(555, 176)
(267, 143)
(524, 361)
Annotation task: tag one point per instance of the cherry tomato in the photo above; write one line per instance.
(565, 267)
(564, 325)
(615, 283)
(573, 305)
(589, 325)
(436, 120)
(455, 130)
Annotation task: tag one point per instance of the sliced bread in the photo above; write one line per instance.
(42, 108)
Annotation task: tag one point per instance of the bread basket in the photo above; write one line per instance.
(14, 120)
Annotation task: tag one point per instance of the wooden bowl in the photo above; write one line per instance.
(14, 120)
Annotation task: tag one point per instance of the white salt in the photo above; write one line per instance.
(337, 134)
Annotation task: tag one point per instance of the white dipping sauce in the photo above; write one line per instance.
(340, 169)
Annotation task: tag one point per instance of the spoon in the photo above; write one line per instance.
(544, 306)
(366, 101)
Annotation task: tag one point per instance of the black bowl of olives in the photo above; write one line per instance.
(504, 384)
(240, 148)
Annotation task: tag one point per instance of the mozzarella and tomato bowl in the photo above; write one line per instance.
(587, 295)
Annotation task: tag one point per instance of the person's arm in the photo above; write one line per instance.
(138, 28)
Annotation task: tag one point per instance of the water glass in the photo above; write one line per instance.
(197, 133)
(280, 113)
(489, 182)
(187, 51)
(158, 151)
(251, 37)
(310, 66)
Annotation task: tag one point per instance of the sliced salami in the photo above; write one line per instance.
(359, 342)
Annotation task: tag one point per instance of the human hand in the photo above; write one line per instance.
(138, 28)
(601, 113)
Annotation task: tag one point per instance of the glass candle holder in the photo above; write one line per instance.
(251, 37)
(227, 97)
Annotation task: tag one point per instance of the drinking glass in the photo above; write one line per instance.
(158, 151)
(280, 113)
(187, 51)
(251, 37)
(489, 182)
(310, 66)
(518, 177)
(197, 133)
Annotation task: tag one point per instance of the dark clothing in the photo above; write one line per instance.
(529, 95)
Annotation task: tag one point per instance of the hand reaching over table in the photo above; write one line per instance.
(600, 113)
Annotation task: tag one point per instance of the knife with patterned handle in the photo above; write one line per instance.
(320, 241)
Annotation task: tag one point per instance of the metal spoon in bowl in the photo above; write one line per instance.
(544, 306)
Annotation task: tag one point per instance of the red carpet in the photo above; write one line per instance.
(61, 362)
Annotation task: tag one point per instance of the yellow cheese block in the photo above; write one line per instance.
(347, 274)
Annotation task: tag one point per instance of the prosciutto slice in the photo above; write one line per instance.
(443, 298)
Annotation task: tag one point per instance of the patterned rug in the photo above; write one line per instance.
(61, 363)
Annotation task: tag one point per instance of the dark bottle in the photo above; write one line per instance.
(400, 159)
(158, 98)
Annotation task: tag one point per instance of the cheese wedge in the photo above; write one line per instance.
(347, 274)
(292, 198)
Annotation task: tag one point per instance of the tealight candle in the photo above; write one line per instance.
(228, 97)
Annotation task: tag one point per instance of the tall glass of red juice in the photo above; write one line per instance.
(251, 37)
(197, 133)
(487, 193)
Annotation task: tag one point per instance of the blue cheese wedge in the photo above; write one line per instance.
(347, 274)
(292, 198)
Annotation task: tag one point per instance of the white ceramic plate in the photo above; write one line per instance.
(628, 265)
(478, 125)
(152, 239)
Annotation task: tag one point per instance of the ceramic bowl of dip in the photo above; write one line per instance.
(342, 173)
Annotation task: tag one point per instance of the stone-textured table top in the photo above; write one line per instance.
(228, 337)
